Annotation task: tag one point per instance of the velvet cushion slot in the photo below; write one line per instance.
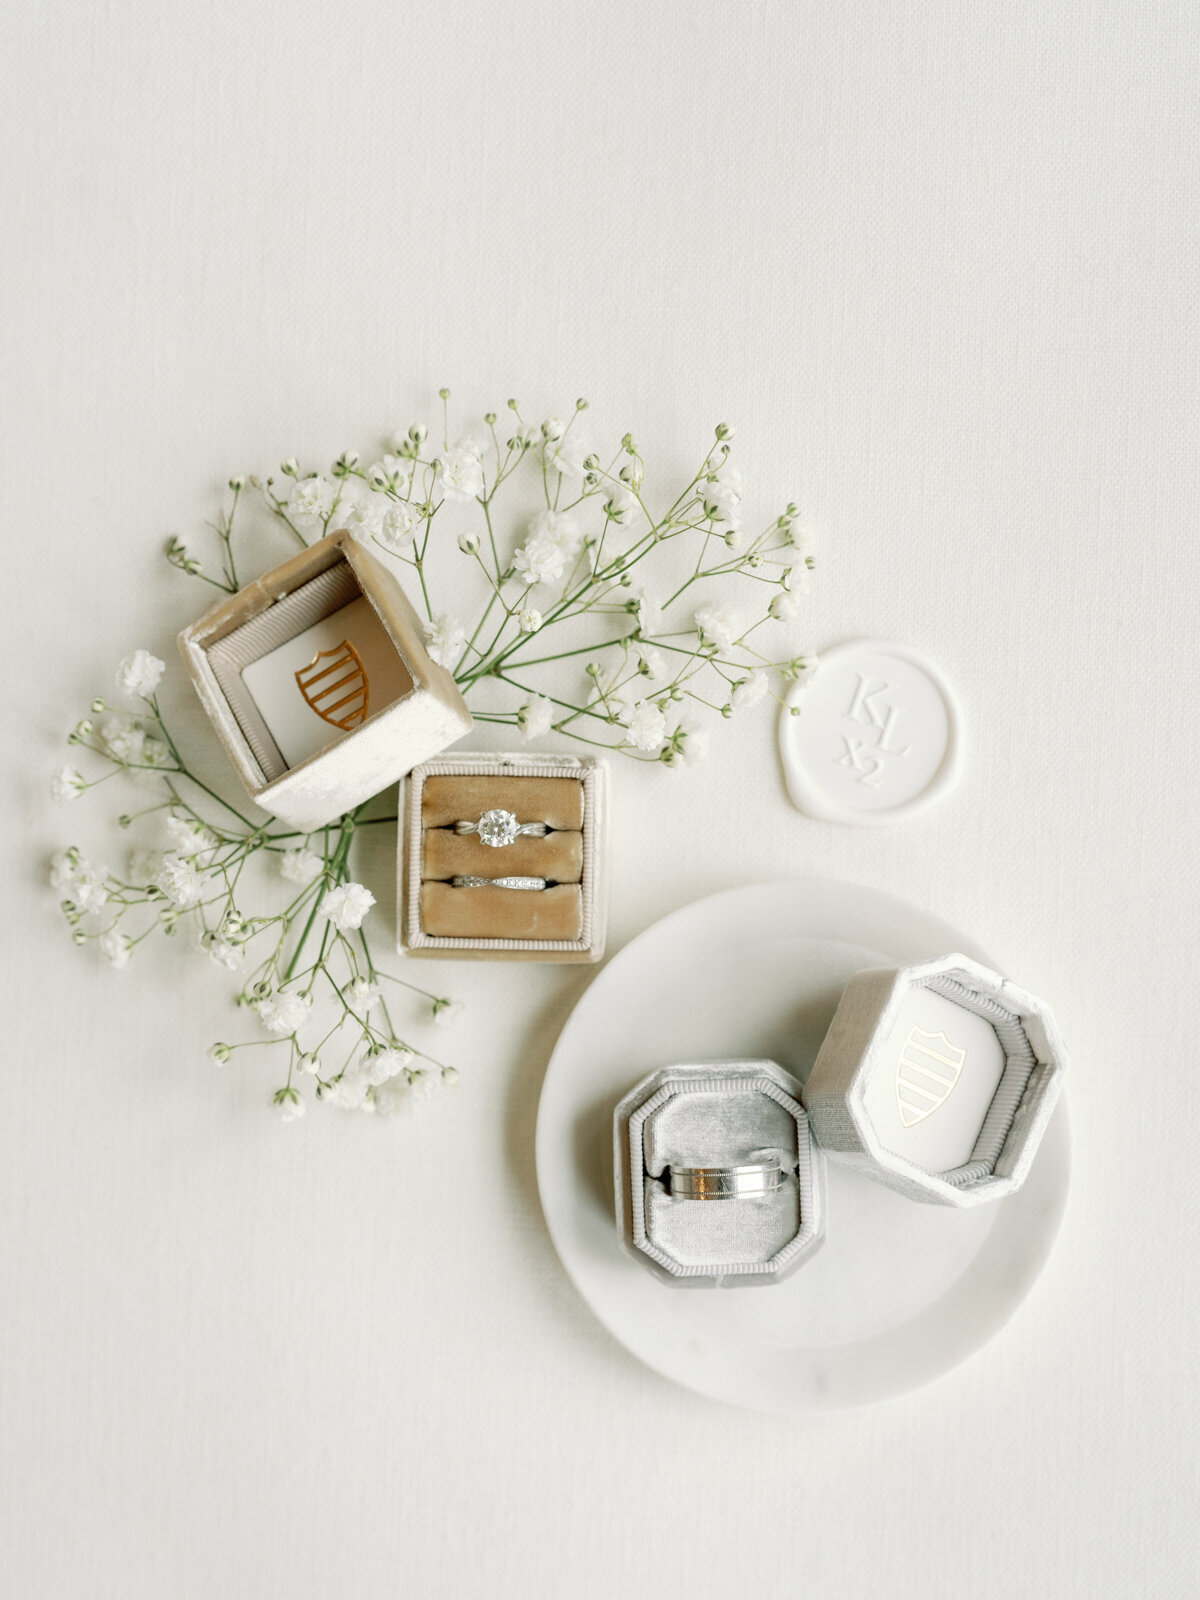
(558, 857)
(447, 799)
(489, 913)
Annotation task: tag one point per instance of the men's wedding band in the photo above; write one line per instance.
(499, 827)
(725, 1183)
(468, 881)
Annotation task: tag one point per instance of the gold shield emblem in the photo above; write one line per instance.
(334, 684)
(928, 1069)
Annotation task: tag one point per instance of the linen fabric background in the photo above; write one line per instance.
(936, 264)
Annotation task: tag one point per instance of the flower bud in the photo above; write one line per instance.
(98, 706)
(553, 428)
(290, 468)
(443, 394)
(724, 431)
(237, 484)
(311, 1064)
(219, 1054)
(418, 433)
(581, 405)
(78, 937)
(468, 543)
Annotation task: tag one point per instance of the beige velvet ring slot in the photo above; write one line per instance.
(447, 799)
(558, 857)
(555, 913)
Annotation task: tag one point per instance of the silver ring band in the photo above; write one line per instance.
(499, 827)
(725, 1183)
(469, 881)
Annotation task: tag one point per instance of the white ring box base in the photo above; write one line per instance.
(716, 1114)
(937, 1079)
(422, 711)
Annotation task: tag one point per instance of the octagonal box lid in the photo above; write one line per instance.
(427, 716)
(938, 1080)
(724, 1113)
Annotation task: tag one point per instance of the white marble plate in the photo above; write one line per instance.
(900, 1292)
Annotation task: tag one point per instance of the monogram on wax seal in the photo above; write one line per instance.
(873, 737)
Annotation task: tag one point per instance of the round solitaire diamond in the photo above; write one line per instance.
(497, 828)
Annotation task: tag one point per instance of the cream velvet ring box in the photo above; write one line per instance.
(504, 858)
(938, 1080)
(319, 685)
(741, 1125)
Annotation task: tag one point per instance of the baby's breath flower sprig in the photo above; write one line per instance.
(304, 963)
(595, 576)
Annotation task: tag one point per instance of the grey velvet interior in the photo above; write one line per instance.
(720, 1127)
(329, 591)
(1019, 1062)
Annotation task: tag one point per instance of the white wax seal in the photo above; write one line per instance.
(876, 736)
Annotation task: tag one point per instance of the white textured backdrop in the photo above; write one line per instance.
(937, 264)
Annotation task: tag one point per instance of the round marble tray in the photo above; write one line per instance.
(900, 1292)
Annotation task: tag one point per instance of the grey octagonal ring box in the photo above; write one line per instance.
(717, 1115)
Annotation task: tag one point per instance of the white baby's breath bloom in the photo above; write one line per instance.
(529, 619)
(124, 740)
(647, 726)
(68, 783)
(800, 578)
(647, 610)
(62, 870)
(180, 882)
(115, 948)
(558, 528)
(460, 472)
(535, 717)
(390, 472)
(380, 1066)
(444, 639)
(540, 561)
(747, 692)
(397, 526)
(347, 905)
(801, 669)
(221, 951)
(349, 1091)
(801, 538)
(566, 455)
(621, 505)
(144, 867)
(299, 865)
(720, 502)
(309, 1063)
(553, 428)
(139, 674)
(90, 887)
(447, 1012)
(688, 743)
(362, 995)
(289, 1105)
(424, 1083)
(362, 516)
(311, 500)
(651, 662)
(155, 752)
(717, 624)
(184, 837)
(283, 1013)
(784, 606)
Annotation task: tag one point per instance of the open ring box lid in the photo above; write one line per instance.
(716, 1114)
(423, 710)
(938, 1080)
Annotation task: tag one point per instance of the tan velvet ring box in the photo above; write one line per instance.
(389, 706)
(563, 922)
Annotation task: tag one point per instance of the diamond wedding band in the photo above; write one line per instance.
(500, 827)
(725, 1183)
(469, 881)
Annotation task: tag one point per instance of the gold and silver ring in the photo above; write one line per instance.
(725, 1183)
(499, 827)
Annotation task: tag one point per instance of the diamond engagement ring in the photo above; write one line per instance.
(499, 828)
(469, 881)
(725, 1183)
